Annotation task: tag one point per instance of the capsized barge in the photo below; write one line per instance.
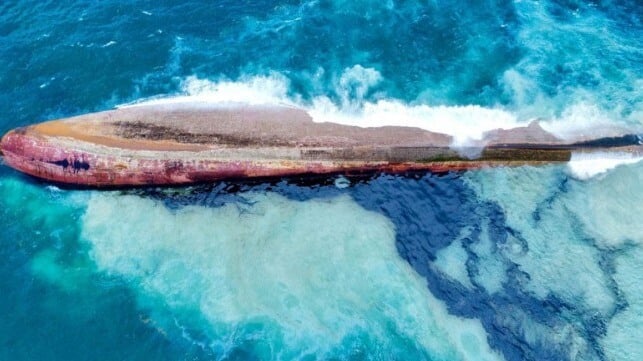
(174, 144)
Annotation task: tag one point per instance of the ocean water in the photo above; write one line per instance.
(529, 263)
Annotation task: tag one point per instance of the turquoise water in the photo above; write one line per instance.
(516, 264)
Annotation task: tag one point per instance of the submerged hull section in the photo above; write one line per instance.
(173, 145)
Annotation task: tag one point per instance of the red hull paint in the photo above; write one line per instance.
(40, 158)
(193, 143)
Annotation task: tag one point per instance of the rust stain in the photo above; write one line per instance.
(124, 148)
(43, 157)
(100, 134)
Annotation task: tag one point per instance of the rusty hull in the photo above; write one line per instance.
(193, 143)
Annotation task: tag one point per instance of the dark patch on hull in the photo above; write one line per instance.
(148, 131)
(609, 142)
(526, 153)
(75, 164)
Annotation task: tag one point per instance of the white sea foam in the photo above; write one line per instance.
(306, 269)
(582, 120)
(342, 182)
(465, 123)
(271, 89)
(588, 165)
(355, 82)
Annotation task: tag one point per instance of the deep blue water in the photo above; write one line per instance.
(517, 264)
